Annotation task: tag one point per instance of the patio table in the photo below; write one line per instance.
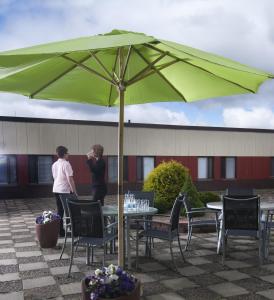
(265, 206)
(112, 211)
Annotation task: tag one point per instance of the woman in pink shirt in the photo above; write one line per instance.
(63, 180)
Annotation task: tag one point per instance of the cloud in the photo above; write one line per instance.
(256, 117)
(242, 30)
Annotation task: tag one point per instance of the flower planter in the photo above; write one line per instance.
(47, 234)
(135, 294)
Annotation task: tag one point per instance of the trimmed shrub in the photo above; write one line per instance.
(167, 180)
(206, 197)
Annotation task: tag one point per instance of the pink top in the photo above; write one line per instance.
(61, 171)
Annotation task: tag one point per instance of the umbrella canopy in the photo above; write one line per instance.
(122, 68)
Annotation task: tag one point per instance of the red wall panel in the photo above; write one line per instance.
(253, 167)
(132, 169)
(80, 169)
(217, 168)
(22, 169)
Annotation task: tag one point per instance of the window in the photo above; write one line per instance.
(228, 167)
(8, 174)
(113, 168)
(205, 167)
(145, 164)
(40, 169)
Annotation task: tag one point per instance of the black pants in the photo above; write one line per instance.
(99, 192)
(60, 211)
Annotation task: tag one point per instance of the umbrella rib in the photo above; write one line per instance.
(111, 86)
(88, 69)
(57, 78)
(126, 63)
(145, 70)
(103, 66)
(161, 75)
(151, 72)
(232, 68)
(211, 73)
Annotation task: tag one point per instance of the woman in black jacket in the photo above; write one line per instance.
(97, 168)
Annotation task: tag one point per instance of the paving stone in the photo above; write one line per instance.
(164, 296)
(28, 253)
(11, 286)
(21, 236)
(38, 282)
(8, 269)
(232, 275)
(152, 266)
(32, 266)
(198, 261)
(55, 256)
(191, 271)
(269, 278)
(26, 244)
(49, 292)
(12, 296)
(9, 277)
(144, 278)
(63, 270)
(236, 264)
(178, 284)
(268, 294)
(5, 234)
(5, 242)
(71, 288)
(7, 262)
(228, 289)
(7, 250)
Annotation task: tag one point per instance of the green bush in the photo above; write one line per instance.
(167, 180)
(206, 197)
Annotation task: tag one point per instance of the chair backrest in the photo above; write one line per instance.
(64, 199)
(242, 192)
(175, 212)
(86, 218)
(144, 195)
(241, 214)
(187, 204)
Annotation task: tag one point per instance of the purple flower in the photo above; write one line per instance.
(47, 217)
(109, 282)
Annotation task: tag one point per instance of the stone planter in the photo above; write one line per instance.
(135, 294)
(47, 234)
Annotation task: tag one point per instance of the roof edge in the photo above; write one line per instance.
(136, 125)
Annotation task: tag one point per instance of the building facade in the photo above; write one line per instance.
(216, 157)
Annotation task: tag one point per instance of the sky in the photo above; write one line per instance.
(241, 30)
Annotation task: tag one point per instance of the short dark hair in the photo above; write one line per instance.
(61, 151)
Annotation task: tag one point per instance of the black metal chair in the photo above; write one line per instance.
(193, 219)
(88, 229)
(242, 192)
(241, 217)
(161, 230)
(66, 218)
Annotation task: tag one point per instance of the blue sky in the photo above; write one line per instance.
(242, 30)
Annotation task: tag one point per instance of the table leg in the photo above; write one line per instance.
(128, 249)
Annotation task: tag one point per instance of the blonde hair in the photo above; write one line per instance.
(98, 150)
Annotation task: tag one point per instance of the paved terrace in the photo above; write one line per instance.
(29, 272)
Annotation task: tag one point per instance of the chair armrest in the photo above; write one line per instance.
(149, 221)
(161, 215)
(207, 210)
(115, 224)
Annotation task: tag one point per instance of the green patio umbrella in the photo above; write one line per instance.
(122, 68)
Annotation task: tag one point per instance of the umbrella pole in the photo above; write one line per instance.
(120, 179)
